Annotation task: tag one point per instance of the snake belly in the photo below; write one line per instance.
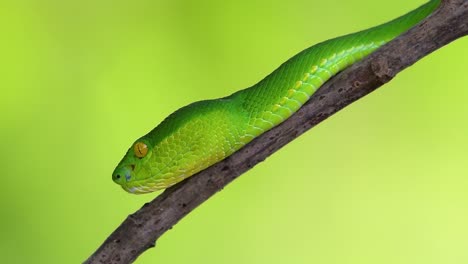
(203, 133)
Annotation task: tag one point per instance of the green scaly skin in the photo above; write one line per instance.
(203, 133)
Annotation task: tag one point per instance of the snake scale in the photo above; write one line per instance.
(200, 134)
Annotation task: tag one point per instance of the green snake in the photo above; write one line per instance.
(200, 134)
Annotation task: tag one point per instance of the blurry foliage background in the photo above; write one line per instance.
(383, 181)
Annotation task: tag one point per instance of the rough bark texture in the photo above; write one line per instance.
(141, 230)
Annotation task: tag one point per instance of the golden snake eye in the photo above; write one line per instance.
(140, 149)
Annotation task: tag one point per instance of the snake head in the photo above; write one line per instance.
(188, 141)
(133, 168)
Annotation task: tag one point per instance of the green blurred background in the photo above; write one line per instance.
(383, 181)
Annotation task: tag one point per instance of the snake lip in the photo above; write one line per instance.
(135, 189)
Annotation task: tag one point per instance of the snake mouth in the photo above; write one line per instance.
(134, 181)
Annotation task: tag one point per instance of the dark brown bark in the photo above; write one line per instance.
(141, 230)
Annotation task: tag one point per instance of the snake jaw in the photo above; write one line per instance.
(139, 189)
(131, 190)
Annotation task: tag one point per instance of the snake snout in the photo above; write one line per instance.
(122, 174)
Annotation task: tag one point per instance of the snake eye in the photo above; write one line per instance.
(140, 149)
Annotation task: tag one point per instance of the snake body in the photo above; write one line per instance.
(203, 133)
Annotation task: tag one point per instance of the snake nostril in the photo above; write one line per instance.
(117, 176)
(132, 166)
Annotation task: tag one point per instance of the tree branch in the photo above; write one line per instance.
(141, 230)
